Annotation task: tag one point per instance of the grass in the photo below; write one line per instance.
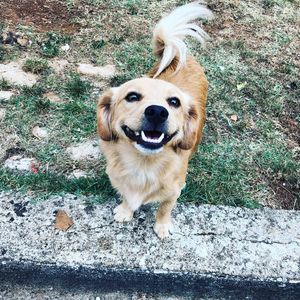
(51, 46)
(252, 70)
(36, 66)
(44, 184)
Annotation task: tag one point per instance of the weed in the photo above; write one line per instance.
(32, 104)
(35, 90)
(50, 48)
(132, 6)
(77, 88)
(36, 66)
(98, 44)
(269, 3)
(5, 85)
(2, 53)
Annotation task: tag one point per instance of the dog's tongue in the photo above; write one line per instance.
(153, 134)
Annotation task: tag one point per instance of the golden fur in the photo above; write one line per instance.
(143, 175)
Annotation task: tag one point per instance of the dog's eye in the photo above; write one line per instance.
(174, 101)
(133, 96)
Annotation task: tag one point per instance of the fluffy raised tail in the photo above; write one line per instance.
(169, 33)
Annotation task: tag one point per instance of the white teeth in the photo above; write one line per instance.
(149, 140)
(161, 138)
(137, 133)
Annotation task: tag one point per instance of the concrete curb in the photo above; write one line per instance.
(219, 252)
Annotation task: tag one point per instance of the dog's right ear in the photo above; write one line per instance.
(104, 116)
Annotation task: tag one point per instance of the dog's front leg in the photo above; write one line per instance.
(163, 225)
(124, 211)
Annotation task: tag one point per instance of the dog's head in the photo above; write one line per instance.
(150, 114)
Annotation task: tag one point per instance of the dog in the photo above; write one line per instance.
(149, 127)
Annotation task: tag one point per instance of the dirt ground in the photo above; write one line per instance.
(52, 15)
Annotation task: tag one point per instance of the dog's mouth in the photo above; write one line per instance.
(152, 140)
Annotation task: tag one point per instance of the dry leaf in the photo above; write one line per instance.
(234, 118)
(62, 220)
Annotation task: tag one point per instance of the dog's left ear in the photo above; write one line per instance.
(104, 116)
(190, 130)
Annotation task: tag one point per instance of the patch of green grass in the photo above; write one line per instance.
(78, 117)
(50, 48)
(117, 80)
(5, 85)
(30, 105)
(77, 88)
(2, 53)
(46, 184)
(133, 6)
(98, 44)
(135, 59)
(219, 174)
(271, 3)
(236, 86)
(277, 160)
(36, 65)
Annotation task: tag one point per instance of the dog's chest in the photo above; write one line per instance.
(141, 174)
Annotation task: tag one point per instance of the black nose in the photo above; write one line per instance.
(156, 114)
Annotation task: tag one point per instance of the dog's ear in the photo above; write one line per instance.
(104, 116)
(190, 130)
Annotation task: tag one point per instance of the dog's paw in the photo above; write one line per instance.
(122, 214)
(163, 230)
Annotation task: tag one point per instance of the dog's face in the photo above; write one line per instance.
(148, 113)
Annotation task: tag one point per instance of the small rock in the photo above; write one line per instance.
(65, 47)
(59, 65)
(2, 113)
(39, 132)
(6, 95)
(86, 150)
(77, 174)
(14, 74)
(52, 97)
(107, 71)
(234, 118)
(23, 41)
(17, 162)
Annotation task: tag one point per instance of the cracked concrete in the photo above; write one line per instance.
(211, 241)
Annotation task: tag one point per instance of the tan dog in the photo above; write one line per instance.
(149, 127)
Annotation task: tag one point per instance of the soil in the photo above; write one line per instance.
(291, 127)
(42, 15)
(286, 194)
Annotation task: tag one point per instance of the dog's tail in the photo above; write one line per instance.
(171, 30)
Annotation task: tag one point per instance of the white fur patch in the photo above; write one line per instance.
(173, 28)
